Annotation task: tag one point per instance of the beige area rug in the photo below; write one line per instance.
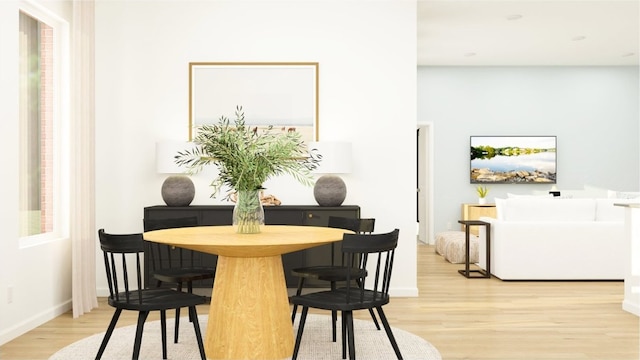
(316, 343)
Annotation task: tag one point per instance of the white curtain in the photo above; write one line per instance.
(82, 160)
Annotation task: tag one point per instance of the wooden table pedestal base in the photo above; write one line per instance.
(249, 290)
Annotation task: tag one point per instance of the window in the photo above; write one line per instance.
(40, 121)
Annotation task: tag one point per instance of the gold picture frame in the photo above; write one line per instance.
(279, 94)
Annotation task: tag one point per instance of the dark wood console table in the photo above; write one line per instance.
(480, 273)
(306, 215)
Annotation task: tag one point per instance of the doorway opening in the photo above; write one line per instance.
(424, 183)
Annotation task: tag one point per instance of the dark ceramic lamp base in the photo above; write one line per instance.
(178, 190)
(330, 190)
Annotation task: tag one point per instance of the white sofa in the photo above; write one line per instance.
(557, 239)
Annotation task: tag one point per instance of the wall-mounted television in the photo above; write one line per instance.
(513, 159)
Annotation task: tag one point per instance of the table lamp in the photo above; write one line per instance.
(330, 189)
(177, 189)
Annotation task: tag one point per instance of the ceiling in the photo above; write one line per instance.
(528, 33)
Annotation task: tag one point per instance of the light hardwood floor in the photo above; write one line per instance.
(464, 318)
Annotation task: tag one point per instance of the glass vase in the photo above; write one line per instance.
(248, 214)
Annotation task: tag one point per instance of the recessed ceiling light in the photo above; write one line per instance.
(514, 17)
(578, 38)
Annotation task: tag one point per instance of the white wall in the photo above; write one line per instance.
(366, 52)
(39, 276)
(593, 111)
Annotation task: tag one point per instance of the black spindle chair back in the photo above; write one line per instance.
(116, 251)
(369, 254)
(122, 255)
(335, 273)
(380, 247)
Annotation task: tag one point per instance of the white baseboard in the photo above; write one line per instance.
(102, 291)
(34, 321)
(403, 292)
(631, 307)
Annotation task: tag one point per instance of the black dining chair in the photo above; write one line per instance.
(174, 265)
(122, 261)
(359, 250)
(334, 272)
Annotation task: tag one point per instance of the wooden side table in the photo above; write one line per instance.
(476, 211)
(480, 274)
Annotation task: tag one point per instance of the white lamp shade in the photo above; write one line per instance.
(166, 152)
(336, 157)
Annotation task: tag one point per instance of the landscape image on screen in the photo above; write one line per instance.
(513, 159)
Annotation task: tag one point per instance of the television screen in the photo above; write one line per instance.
(513, 159)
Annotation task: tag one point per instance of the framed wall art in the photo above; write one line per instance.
(513, 159)
(279, 94)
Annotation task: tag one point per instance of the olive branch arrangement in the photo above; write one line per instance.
(246, 157)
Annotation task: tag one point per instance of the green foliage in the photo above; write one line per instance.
(247, 157)
(482, 152)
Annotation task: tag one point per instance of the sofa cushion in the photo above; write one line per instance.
(540, 209)
(500, 207)
(627, 195)
(526, 196)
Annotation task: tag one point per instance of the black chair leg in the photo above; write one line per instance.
(373, 315)
(176, 330)
(375, 320)
(196, 327)
(352, 346)
(163, 332)
(387, 328)
(107, 335)
(334, 320)
(303, 318)
(344, 336)
(142, 317)
(334, 317)
(190, 291)
(177, 327)
(295, 306)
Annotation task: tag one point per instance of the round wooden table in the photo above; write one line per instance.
(249, 316)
